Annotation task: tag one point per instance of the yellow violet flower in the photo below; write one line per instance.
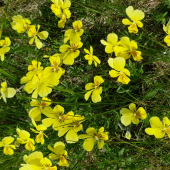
(55, 116)
(35, 161)
(118, 64)
(54, 72)
(59, 153)
(20, 24)
(61, 10)
(40, 130)
(5, 47)
(24, 138)
(159, 129)
(71, 127)
(32, 32)
(70, 52)
(132, 114)
(128, 48)
(8, 149)
(38, 107)
(167, 30)
(74, 34)
(96, 90)
(92, 136)
(32, 75)
(90, 57)
(41, 88)
(136, 16)
(112, 40)
(6, 92)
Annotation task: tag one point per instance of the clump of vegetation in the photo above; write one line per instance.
(84, 84)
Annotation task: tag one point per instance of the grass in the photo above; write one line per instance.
(148, 88)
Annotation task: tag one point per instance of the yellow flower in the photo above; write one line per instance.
(55, 116)
(59, 153)
(118, 64)
(74, 34)
(167, 30)
(159, 129)
(5, 47)
(41, 88)
(38, 107)
(71, 127)
(24, 138)
(6, 92)
(136, 16)
(112, 40)
(132, 114)
(90, 57)
(32, 32)
(8, 149)
(61, 10)
(20, 24)
(96, 90)
(127, 48)
(70, 52)
(40, 130)
(32, 75)
(54, 72)
(35, 161)
(92, 136)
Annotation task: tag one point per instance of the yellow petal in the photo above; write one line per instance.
(119, 63)
(84, 136)
(104, 42)
(43, 35)
(123, 79)
(24, 134)
(59, 147)
(10, 92)
(48, 121)
(112, 39)
(150, 131)
(31, 40)
(133, 28)
(34, 113)
(166, 121)
(139, 24)
(100, 144)
(129, 11)
(53, 156)
(87, 95)
(135, 120)
(62, 131)
(159, 133)
(38, 43)
(141, 113)
(126, 22)
(89, 144)
(96, 95)
(109, 49)
(71, 136)
(114, 73)
(137, 15)
(156, 123)
(126, 71)
(7, 140)
(132, 107)
(98, 80)
(89, 86)
(126, 120)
